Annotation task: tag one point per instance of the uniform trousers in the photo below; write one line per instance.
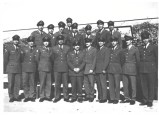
(101, 86)
(61, 77)
(148, 85)
(29, 84)
(45, 84)
(14, 85)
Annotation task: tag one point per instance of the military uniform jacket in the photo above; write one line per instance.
(90, 60)
(60, 58)
(131, 61)
(76, 61)
(77, 37)
(29, 59)
(102, 59)
(67, 31)
(148, 59)
(104, 34)
(52, 39)
(38, 37)
(44, 58)
(13, 59)
(115, 60)
(117, 35)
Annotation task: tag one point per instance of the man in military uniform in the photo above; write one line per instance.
(44, 59)
(114, 70)
(13, 60)
(76, 65)
(89, 72)
(61, 31)
(75, 36)
(69, 23)
(102, 33)
(88, 35)
(39, 34)
(148, 68)
(29, 69)
(51, 36)
(102, 62)
(60, 52)
(130, 71)
(114, 33)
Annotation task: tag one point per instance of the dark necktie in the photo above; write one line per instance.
(61, 47)
(111, 33)
(31, 49)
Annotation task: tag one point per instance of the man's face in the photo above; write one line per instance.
(76, 47)
(74, 30)
(111, 28)
(40, 28)
(46, 43)
(88, 44)
(51, 31)
(69, 24)
(100, 26)
(30, 43)
(114, 43)
(60, 42)
(101, 43)
(61, 29)
(15, 42)
(88, 32)
(128, 42)
(145, 41)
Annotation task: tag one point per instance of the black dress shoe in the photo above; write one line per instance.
(143, 103)
(86, 99)
(111, 101)
(149, 104)
(73, 100)
(125, 101)
(66, 99)
(91, 100)
(80, 100)
(132, 102)
(56, 100)
(17, 99)
(41, 99)
(115, 102)
(26, 100)
(11, 100)
(102, 101)
(32, 99)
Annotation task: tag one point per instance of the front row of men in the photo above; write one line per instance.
(83, 67)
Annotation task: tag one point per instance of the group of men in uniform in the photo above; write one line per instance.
(84, 60)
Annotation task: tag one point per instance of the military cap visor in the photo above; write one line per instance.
(16, 37)
(127, 38)
(76, 43)
(110, 23)
(60, 37)
(51, 26)
(145, 35)
(40, 23)
(101, 40)
(74, 26)
(88, 27)
(100, 22)
(114, 39)
(69, 20)
(61, 24)
(30, 39)
(87, 40)
(46, 39)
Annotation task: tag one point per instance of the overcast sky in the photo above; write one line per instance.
(19, 14)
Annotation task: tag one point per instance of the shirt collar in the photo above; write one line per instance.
(147, 44)
(129, 47)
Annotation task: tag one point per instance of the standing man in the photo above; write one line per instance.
(130, 71)
(102, 33)
(88, 35)
(39, 34)
(13, 60)
(102, 62)
(114, 33)
(69, 23)
(61, 31)
(44, 59)
(29, 69)
(89, 72)
(75, 36)
(115, 70)
(51, 36)
(148, 68)
(76, 65)
(60, 52)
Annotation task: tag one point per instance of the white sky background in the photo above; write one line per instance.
(21, 14)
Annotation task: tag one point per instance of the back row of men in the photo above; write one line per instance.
(83, 60)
